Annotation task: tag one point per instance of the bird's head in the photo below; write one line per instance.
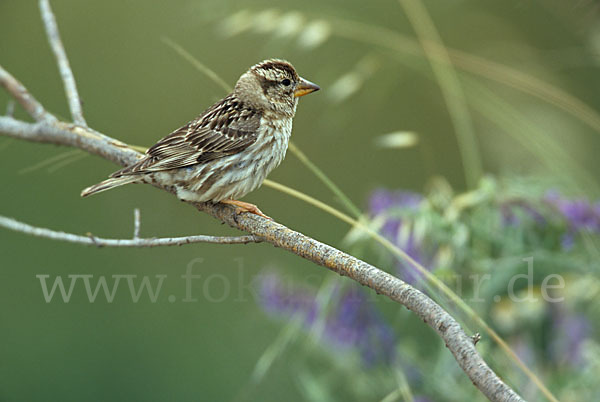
(273, 85)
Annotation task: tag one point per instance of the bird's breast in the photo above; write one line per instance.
(274, 137)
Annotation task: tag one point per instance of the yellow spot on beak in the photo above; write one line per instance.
(305, 87)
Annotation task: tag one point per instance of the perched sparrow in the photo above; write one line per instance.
(228, 150)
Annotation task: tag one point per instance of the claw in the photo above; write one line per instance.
(242, 207)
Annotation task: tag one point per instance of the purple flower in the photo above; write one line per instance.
(381, 200)
(580, 215)
(356, 323)
(352, 322)
(514, 211)
(391, 205)
(278, 299)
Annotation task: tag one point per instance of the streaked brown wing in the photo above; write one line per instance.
(225, 129)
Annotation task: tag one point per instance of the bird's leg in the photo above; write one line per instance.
(241, 206)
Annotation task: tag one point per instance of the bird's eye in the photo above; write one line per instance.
(286, 82)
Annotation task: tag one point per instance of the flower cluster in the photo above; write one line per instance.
(549, 222)
(277, 297)
(350, 320)
(354, 322)
(580, 215)
(397, 208)
(514, 212)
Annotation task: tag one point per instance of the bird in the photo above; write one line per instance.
(228, 150)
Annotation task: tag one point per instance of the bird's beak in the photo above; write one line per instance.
(305, 87)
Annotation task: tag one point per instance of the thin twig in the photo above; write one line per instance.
(22, 95)
(63, 63)
(136, 223)
(91, 240)
(61, 133)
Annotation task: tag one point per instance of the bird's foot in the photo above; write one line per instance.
(241, 207)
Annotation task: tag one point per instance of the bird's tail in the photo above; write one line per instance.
(110, 183)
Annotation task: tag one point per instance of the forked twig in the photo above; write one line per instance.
(92, 240)
(22, 95)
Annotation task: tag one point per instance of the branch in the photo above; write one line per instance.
(91, 240)
(459, 344)
(63, 63)
(22, 95)
(61, 133)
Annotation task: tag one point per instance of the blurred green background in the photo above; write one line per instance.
(137, 89)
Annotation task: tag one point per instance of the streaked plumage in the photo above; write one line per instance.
(228, 150)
